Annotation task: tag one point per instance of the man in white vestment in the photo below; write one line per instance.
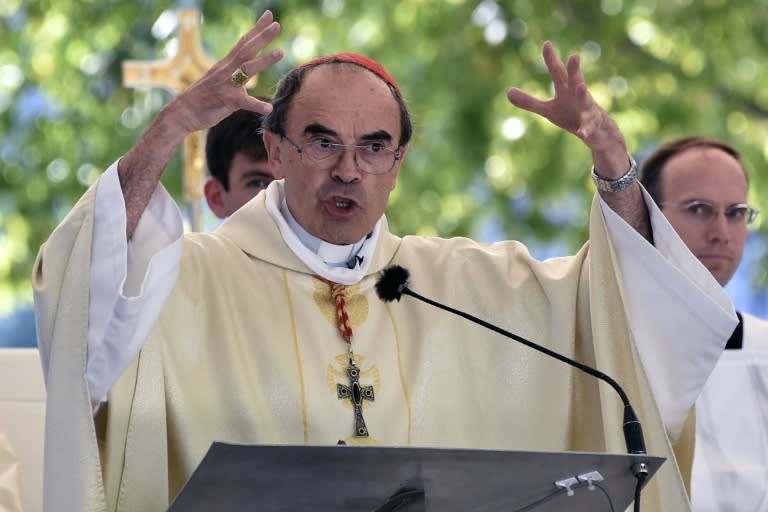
(256, 333)
(701, 185)
(237, 162)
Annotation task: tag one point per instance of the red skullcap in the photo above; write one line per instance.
(354, 58)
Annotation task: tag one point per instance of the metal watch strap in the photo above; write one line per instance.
(619, 184)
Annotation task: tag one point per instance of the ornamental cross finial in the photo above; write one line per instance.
(175, 75)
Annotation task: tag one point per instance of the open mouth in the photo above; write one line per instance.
(343, 204)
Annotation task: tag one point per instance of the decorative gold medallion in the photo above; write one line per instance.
(356, 304)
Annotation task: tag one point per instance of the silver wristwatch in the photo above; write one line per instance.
(619, 184)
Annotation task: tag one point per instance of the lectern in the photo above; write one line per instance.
(233, 478)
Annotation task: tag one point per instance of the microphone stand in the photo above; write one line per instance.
(633, 432)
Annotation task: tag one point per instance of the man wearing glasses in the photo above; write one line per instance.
(701, 186)
(270, 331)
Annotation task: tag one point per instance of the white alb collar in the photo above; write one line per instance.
(327, 260)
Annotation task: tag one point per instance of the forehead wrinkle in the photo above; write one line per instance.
(345, 100)
(317, 128)
(704, 173)
(712, 196)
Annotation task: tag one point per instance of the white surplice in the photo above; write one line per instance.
(730, 464)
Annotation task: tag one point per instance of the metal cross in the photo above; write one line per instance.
(355, 393)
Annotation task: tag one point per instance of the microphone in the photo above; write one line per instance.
(354, 262)
(393, 283)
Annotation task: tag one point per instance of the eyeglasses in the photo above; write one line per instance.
(371, 158)
(702, 211)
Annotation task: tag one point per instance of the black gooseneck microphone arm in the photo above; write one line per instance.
(393, 283)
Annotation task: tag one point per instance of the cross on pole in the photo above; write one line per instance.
(175, 75)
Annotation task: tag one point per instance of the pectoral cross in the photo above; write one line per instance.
(355, 393)
(175, 75)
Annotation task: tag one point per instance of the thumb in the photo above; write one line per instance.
(524, 100)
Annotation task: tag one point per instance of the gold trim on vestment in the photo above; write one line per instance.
(298, 358)
(400, 368)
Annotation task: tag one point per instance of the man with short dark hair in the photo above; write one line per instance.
(694, 180)
(701, 185)
(270, 330)
(237, 162)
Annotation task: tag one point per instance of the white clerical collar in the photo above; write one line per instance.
(334, 255)
(327, 260)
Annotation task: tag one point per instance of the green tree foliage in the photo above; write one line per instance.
(477, 166)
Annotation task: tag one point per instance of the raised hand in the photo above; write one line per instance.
(204, 103)
(217, 93)
(573, 109)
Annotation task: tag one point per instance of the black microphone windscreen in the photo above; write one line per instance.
(390, 285)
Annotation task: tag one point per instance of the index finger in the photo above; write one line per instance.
(263, 22)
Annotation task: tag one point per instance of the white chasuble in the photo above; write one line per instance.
(246, 350)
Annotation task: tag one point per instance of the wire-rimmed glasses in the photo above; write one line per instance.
(699, 210)
(371, 158)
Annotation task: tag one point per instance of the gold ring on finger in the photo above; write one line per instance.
(238, 78)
